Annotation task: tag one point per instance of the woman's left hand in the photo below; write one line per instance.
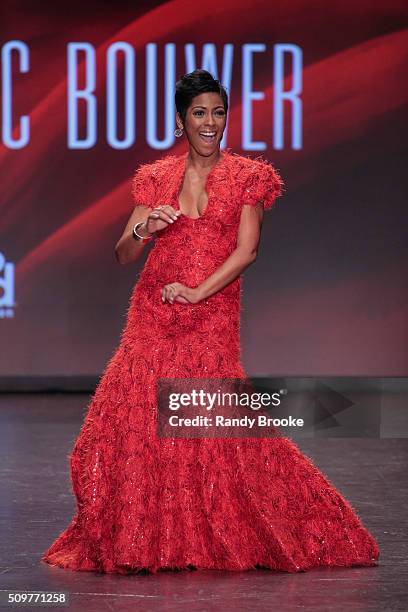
(176, 292)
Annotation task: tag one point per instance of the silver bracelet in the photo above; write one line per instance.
(137, 236)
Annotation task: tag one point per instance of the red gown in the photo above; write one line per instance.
(146, 503)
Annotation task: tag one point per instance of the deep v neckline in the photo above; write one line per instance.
(180, 183)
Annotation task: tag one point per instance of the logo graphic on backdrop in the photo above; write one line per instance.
(267, 408)
(6, 288)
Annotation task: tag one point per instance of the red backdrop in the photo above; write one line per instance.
(328, 292)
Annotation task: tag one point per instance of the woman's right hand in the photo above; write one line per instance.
(161, 217)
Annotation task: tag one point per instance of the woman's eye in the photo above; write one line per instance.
(220, 113)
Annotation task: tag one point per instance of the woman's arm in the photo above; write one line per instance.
(128, 249)
(244, 254)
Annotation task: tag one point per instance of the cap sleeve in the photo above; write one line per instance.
(143, 186)
(262, 183)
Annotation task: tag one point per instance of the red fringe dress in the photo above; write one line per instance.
(146, 503)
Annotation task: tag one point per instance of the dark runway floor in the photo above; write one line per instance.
(37, 433)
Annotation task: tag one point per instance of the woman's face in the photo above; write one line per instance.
(205, 123)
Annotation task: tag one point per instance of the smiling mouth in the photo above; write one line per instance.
(208, 137)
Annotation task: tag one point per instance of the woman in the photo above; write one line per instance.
(146, 502)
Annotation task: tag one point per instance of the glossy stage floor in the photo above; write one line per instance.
(37, 433)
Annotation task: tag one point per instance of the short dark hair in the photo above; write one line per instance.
(193, 84)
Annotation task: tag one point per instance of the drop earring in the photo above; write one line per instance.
(178, 132)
